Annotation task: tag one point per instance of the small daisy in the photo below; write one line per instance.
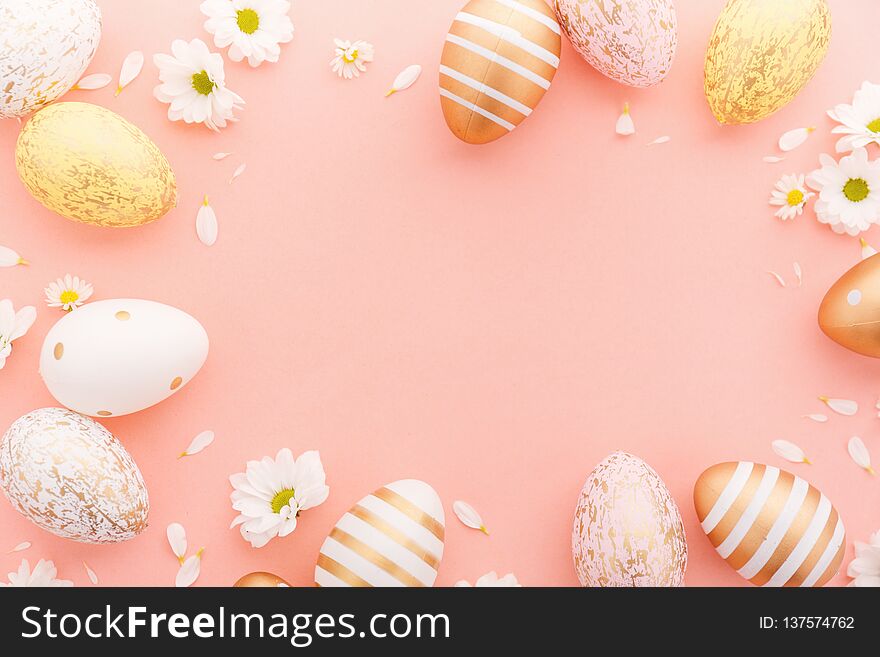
(860, 122)
(491, 579)
(865, 568)
(251, 28)
(194, 85)
(849, 192)
(43, 575)
(68, 293)
(270, 495)
(351, 58)
(791, 194)
(13, 325)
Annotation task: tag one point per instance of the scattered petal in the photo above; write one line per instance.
(238, 171)
(206, 224)
(867, 249)
(24, 545)
(405, 79)
(660, 140)
(778, 278)
(789, 451)
(798, 273)
(469, 516)
(625, 125)
(772, 159)
(93, 578)
(177, 540)
(9, 258)
(189, 570)
(220, 156)
(198, 443)
(859, 453)
(841, 406)
(93, 81)
(794, 138)
(131, 68)
(817, 417)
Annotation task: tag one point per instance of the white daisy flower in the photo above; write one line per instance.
(865, 568)
(791, 195)
(860, 122)
(13, 325)
(270, 495)
(491, 579)
(250, 28)
(849, 192)
(194, 85)
(351, 58)
(68, 293)
(43, 575)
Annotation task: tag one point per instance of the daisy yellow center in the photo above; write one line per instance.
(202, 83)
(874, 126)
(350, 58)
(69, 296)
(282, 499)
(795, 197)
(856, 189)
(248, 21)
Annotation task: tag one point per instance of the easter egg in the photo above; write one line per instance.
(850, 312)
(630, 41)
(260, 580)
(393, 537)
(72, 477)
(771, 526)
(45, 47)
(89, 164)
(761, 54)
(120, 356)
(498, 60)
(627, 528)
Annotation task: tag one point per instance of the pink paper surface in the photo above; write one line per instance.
(493, 320)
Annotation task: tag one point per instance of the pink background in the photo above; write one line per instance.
(493, 320)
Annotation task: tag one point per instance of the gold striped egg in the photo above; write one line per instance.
(498, 60)
(393, 537)
(761, 54)
(89, 164)
(771, 526)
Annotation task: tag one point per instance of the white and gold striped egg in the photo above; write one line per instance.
(498, 60)
(771, 526)
(393, 537)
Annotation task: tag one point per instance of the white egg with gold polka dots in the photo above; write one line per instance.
(120, 356)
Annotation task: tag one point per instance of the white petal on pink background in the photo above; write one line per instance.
(24, 545)
(817, 417)
(867, 249)
(841, 406)
(660, 140)
(778, 278)
(238, 171)
(859, 453)
(198, 443)
(405, 79)
(93, 578)
(772, 159)
(789, 451)
(625, 125)
(9, 258)
(798, 273)
(206, 224)
(93, 81)
(177, 540)
(131, 68)
(794, 138)
(189, 570)
(469, 516)
(220, 156)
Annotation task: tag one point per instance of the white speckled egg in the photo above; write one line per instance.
(45, 47)
(630, 41)
(627, 528)
(120, 356)
(393, 537)
(72, 477)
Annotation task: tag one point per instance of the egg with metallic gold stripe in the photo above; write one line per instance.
(393, 537)
(771, 526)
(499, 59)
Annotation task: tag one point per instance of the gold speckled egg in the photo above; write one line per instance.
(761, 54)
(89, 164)
(260, 580)
(45, 47)
(72, 477)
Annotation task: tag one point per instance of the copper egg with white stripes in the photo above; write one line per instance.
(498, 60)
(392, 537)
(771, 526)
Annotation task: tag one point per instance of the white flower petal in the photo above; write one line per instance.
(93, 578)
(131, 68)
(206, 224)
(238, 171)
(177, 540)
(789, 451)
(778, 278)
(859, 453)
(817, 417)
(405, 79)
(625, 125)
(867, 249)
(24, 545)
(841, 406)
(772, 159)
(93, 81)
(469, 516)
(198, 443)
(220, 156)
(798, 273)
(794, 138)
(660, 140)
(189, 570)
(9, 258)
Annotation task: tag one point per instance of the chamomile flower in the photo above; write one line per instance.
(491, 579)
(860, 122)
(865, 568)
(351, 59)
(250, 28)
(68, 293)
(13, 325)
(791, 195)
(849, 192)
(194, 85)
(43, 575)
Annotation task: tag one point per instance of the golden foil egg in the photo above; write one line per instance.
(771, 526)
(850, 312)
(260, 579)
(627, 529)
(72, 477)
(89, 164)
(498, 60)
(761, 54)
